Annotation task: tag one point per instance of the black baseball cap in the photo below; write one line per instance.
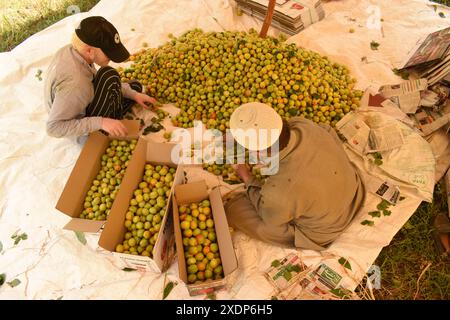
(100, 33)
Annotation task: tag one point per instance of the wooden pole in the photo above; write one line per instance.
(268, 19)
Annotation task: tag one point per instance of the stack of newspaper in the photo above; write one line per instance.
(426, 105)
(290, 16)
(431, 58)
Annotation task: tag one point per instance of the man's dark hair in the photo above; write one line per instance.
(284, 137)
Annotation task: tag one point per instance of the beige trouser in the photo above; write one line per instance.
(242, 215)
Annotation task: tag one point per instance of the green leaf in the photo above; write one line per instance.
(168, 289)
(344, 262)
(141, 122)
(59, 298)
(387, 212)
(81, 237)
(128, 269)
(293, 111)
(211, 296)
(275, 263)
(294, 268)
(341, 293)
(401, 73)
(287, 275)
(1, 246)
(17, 238)
(154, 127)
(377, 155)
(374, 45)
(383, 205)
(368, 223)
(14, 283)
(441, 14)
(2, 279)
(273, 298)
(232, 181)
(378, 162)
(375, 214)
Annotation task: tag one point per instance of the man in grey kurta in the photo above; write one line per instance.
(310, 201)
(81, 99)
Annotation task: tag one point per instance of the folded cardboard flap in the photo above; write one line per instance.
(227, 253)
(146, 151)
(179, 242)
(160, 153)
(132, 128)
(84, 225)
(163, 254)
(89, 163)
(115, 229)
(191, 192)
(195, 192)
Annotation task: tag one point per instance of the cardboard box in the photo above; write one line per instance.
(196, 192)
(151, 152)
(83, 173)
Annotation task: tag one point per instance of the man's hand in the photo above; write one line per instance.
(114, 127)
(242, 171)
(142, 99)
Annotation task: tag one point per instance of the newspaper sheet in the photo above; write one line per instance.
(386, 138)
(285, 272)
(290, 16)
(384, 189)
(356, 131)
(428, 121)
(431, 49)
(406, 95)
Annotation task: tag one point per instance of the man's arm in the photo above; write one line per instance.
(270, 200)
(71, 101)
(127, 91)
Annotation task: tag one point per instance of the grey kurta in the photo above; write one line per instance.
(310, 201)
(68, 90)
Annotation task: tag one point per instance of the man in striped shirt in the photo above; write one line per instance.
(81, 99)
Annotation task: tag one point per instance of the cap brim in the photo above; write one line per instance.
(118, 54)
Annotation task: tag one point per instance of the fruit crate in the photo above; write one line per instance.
(72, 201)
(194, 193)
(163, 251)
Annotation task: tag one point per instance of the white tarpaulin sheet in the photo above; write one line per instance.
(34, 168)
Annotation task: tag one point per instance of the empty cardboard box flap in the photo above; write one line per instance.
(164, 154)
(114, 230)
(89, 162)
(83, 225)
(227, 253)
(179, 242)
(133, 128)
(191, 192)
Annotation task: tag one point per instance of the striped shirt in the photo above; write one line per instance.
(68, 90)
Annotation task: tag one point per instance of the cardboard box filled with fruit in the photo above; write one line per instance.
(92, 187)
(205, 250)
(139, 229)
